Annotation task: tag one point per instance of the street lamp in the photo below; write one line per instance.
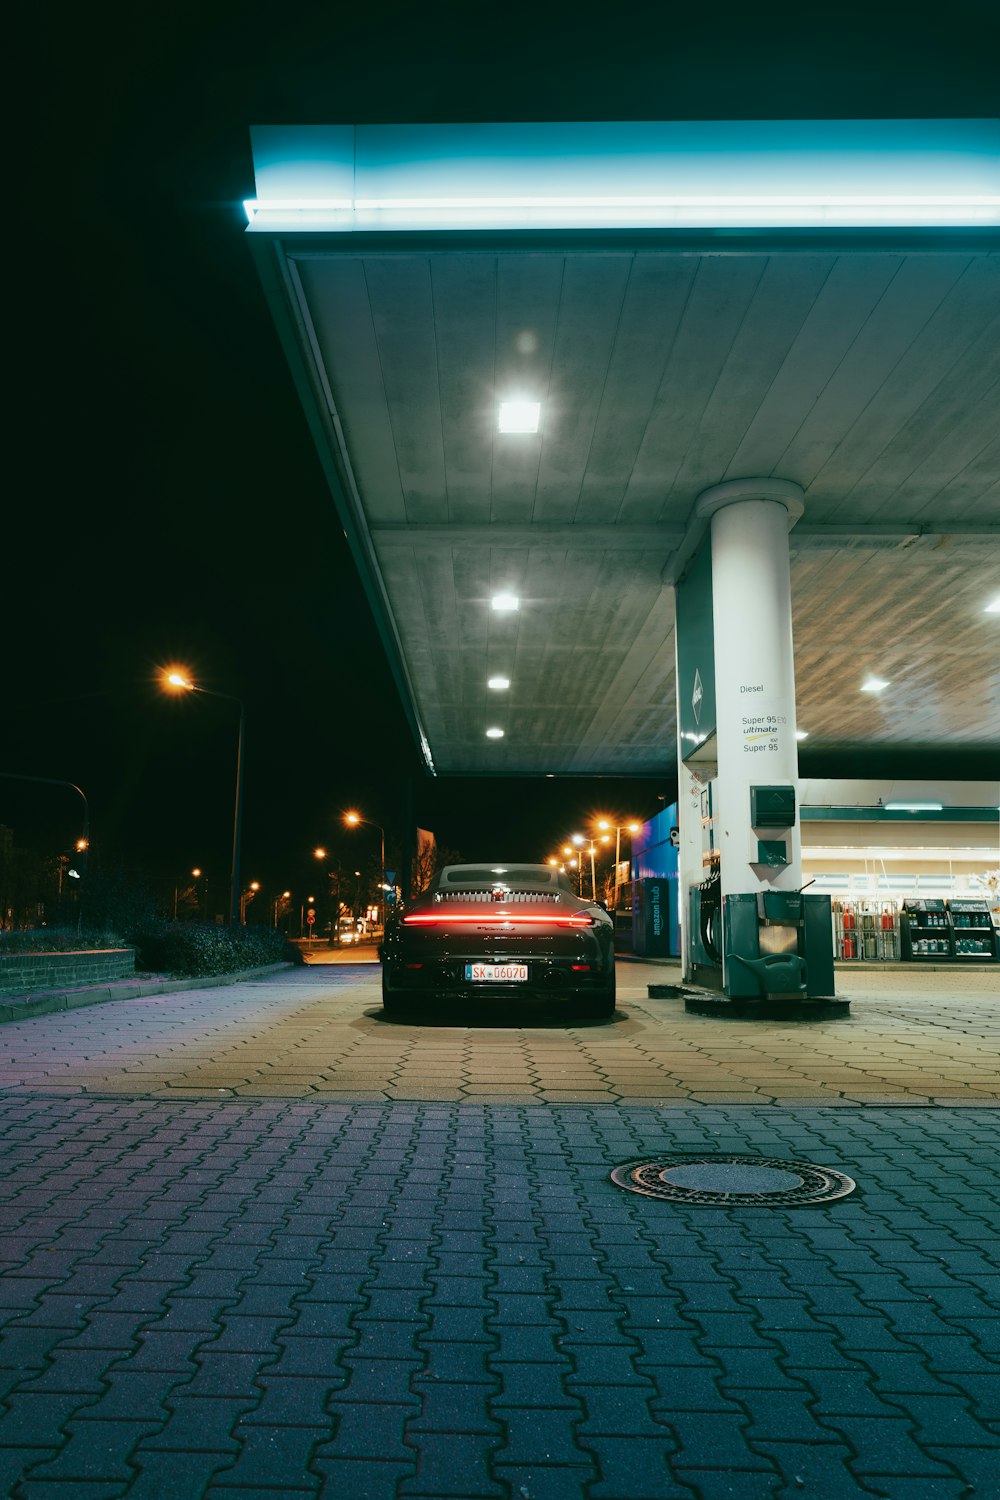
(180, 682)
(196, 876)
(247, 897)
(591, 845)
(631, 828)
(201, 895)
(82, 844)
(579, 840)
(352, 819)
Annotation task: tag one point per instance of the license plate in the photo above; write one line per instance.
(497, 973)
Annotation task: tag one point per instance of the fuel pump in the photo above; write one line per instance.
(711, 912)
(777, 943)
(766, 944)
(706, 904)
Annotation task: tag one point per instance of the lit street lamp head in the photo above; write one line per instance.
(352, 819)
(178, 681)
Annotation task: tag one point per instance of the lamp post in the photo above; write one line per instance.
(181, 683)
(632, 829)
(589, 844)
(82, 844)
(579, 840)
(352, 819)
(247, 897)
(196, 876)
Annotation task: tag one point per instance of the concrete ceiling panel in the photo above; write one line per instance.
(870, 378)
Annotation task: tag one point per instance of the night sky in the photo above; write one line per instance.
(164, 502)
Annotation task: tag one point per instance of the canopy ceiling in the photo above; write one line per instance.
(863, 366)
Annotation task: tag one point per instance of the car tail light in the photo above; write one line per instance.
(581, 968)
(519, 919)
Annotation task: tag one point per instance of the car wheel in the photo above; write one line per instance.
(600, 1007)
(392, 1004)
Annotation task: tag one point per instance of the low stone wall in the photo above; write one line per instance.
(27, 973)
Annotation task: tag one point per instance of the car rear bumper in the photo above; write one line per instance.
(548, 978)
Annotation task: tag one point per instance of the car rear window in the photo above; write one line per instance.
(519, 877)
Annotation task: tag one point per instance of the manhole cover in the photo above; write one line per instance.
(685, 1177)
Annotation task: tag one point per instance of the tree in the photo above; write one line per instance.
(429, 859)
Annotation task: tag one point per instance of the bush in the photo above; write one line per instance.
(196, 948)
(116, 901)
(57, 940)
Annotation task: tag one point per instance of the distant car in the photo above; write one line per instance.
(496, 932)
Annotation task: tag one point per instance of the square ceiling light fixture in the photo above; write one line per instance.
(520, 416)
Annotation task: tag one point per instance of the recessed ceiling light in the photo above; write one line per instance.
(519, 416)
(498, 684)
(873, 685)
(993, 608)
(505, 602)
(494, 734)
(801, 734)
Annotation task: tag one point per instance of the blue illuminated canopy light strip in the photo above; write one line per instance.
(666, 174)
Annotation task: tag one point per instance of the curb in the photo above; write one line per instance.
(638, 958)
(703, 1002)
(45, 1002)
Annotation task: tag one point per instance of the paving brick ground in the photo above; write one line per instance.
(319, 1032)
(360, 1280)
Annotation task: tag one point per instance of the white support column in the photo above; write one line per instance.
(754, 672)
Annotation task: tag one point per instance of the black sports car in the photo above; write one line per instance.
(484, 933)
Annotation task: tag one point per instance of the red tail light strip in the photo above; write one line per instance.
(481, 917)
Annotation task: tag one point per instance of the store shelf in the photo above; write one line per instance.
(868, 931)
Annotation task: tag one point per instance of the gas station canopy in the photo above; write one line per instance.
(524, 351)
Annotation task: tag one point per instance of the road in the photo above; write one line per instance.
(259, 1242)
